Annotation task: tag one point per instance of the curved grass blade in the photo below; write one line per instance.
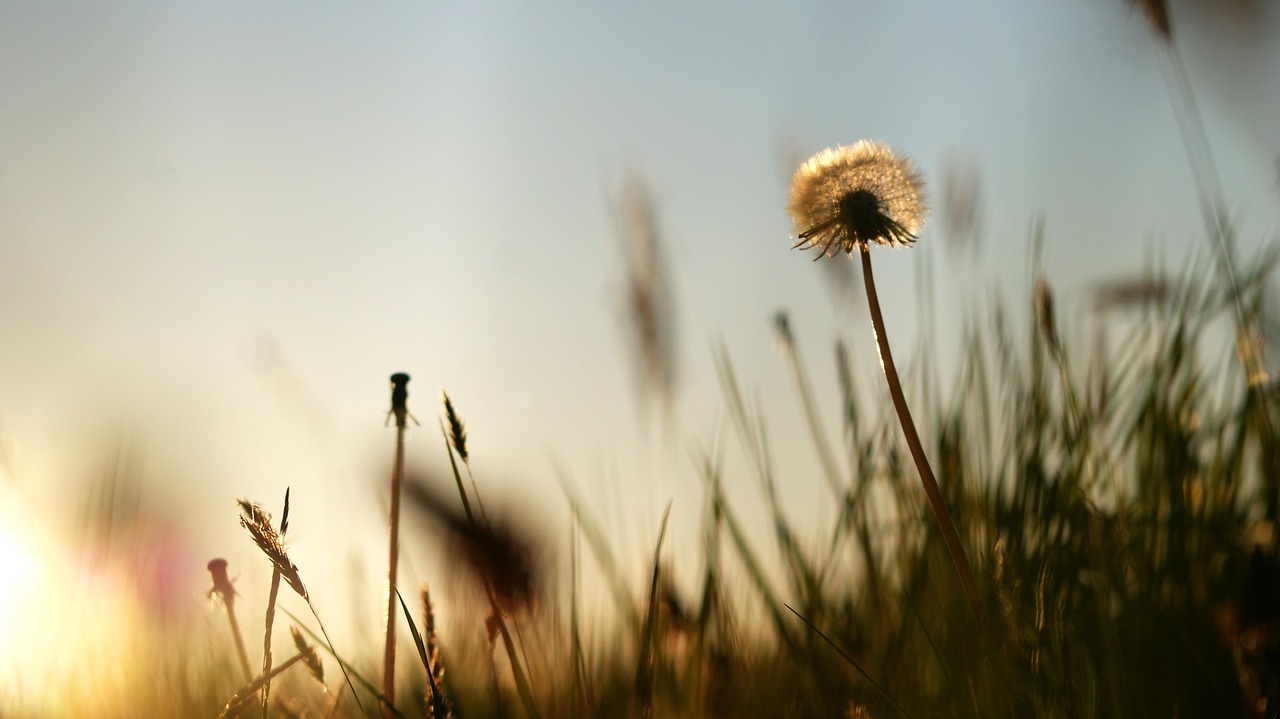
(437, 699)
(843, 655)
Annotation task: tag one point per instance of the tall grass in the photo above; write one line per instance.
(1119, 499)
(1121, 509)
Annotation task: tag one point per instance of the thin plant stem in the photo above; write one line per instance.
(523, 687)
(271, 615)
(242, 698)
(825, 456)
(235, 632)
(222, 588)
(389, 654)
(931, 490)
(1213, 209)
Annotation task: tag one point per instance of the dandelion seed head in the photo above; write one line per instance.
(846, 197)
(222, 586)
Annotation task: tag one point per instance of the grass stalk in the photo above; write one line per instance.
(644, 665)
(258, 524)
(271, 614)
(498, 621)
(241, 698)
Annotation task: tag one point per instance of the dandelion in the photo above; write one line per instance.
(399, 408)
(844, 199)
(223, 589)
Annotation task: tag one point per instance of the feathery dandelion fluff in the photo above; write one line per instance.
(845, 198)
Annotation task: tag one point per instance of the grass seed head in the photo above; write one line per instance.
(309, 655)
(1157, 13)
(258, 523)
(457, 432)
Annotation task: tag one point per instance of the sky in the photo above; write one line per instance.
(223, 226)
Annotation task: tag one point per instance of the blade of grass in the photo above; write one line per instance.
(643, 688)
(347, 669)
(858, 667)
(437, 698)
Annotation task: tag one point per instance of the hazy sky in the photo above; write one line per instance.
(223, 225)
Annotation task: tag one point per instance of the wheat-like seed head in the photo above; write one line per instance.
(258, 522)
(457, 432)
(434, 702)
(309, 655)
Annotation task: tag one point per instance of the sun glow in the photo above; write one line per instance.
(51, 617)
(21, 569)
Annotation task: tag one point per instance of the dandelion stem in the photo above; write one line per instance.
(389, 655)
(222, 589)
(931, 490)
(400, 409)
(235, 632)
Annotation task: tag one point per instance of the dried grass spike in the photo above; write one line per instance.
(1045, 319)
(437, 705)
(309, 655)
(1157, 12)
(258, 523)
(457, 432)
(649, 301)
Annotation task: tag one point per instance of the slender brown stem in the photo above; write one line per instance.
(266, 641)
(235, 632)
(517, 671)
(931, 490)
(245, 695)
(389, 656)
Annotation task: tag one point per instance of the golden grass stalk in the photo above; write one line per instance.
(246, 694)
(496, 623)
(271, 613)
(254, 519)
(258, 523)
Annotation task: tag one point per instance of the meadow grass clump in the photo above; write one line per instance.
(1120, 506)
